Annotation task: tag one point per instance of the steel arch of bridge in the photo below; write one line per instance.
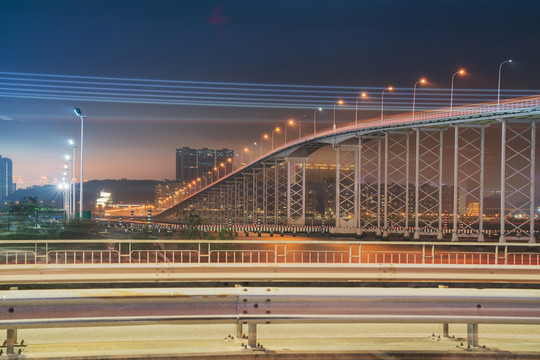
(272, 188)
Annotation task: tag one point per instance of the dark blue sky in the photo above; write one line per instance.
(357, 44)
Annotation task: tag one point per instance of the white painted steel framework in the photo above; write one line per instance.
(468, 194)
(369, 175)
(346, 187)
(396, 182)
(373, 189)
(517, 181)
(296, 191)
(428, 182)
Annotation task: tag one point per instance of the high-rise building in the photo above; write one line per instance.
(186, 164)
(6, 177)
(197, 163)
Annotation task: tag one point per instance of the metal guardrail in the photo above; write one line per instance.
(19, 252)
(20, 309)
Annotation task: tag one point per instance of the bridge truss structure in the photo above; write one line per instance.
(394, 178)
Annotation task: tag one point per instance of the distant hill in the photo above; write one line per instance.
(123, 191)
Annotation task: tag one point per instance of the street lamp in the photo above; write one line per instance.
(421, 81)
(499, 88)
(300, 127)
(459, 72)
(315, 120)
(72, 181)
(81, 116)
(362, 95)
(390, 88)
(264, 137)
(276, 130)
(291, 123)
(224, 170)
(241, 156)
(339, 102)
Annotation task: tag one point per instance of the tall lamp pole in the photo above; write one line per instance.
(300, 127)
(289, 122)
(421, 81)
(81, 116)
(315, 120)
(276, 130)
(362, 95)
(390, 88)
(339, 102)
(265, 136)
(499, 87)
(459, 72)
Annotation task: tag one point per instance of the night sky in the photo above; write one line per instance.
(153, 76)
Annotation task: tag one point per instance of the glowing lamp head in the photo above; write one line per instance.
(278, 129)
(363, 94)
(422, 81)
(340, 102)
(461, 72)
(320, 109)
(265, 136)
(291, 122)
(510, 60)
(390, 88)
(229, 160)
(246, 149)
(70, 142)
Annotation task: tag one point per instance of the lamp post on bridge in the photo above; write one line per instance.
(459, 72)
(390, 88)
(421, 81)
(339, 102)
(499, 87)
(289, 122)
(264, 137)
(362, 95)
(299, 126)
(276, 130)
(315, 120)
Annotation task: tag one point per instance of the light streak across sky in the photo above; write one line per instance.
(226, 94)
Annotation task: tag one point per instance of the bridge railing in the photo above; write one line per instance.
(266, 252)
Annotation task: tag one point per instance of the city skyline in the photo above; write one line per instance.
(201, 65)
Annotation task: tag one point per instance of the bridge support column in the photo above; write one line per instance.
(296, 191)
(269, 195)
(468, 182)
(369, 184)
(396, 180)
(281, 192)
(346, 188)
(428, 182)
(517, 185)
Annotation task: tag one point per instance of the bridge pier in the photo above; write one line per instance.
(346, 188)
(296, 190)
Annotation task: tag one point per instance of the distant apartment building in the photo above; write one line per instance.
(200, 163)
(6, 177)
